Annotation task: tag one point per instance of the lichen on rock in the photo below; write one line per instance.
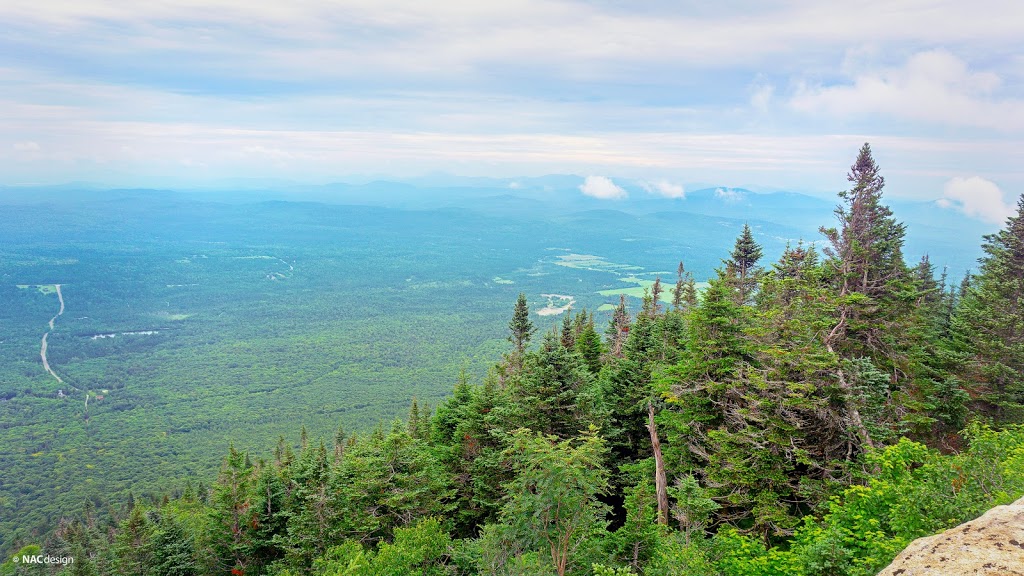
(990, 545)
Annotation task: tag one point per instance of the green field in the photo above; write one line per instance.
(639, 288)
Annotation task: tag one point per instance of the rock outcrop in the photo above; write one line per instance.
(991, 545)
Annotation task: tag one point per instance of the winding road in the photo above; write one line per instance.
(42, 350)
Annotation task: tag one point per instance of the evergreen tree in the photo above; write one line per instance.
(568, 335)
(588, 345)
(656, 290)
(635, 541)
(311, 525)
(133, 546)
(231, 514)
(742, 265)
(553, 393)
(339, 442)
(521, 327)
(875, 294)
(618, 328)
(989, 324)
(552, 503)
(866, 253)
(684, 294)
(271, 508)
(413, 425)
(174, 551)
(935, 409)
(89, 543)
(755, 414)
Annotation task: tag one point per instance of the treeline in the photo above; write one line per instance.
(808, 416)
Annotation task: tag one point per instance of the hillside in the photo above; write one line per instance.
(802, 412)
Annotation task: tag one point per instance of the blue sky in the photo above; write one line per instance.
(772, 94)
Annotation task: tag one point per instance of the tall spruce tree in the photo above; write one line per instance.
(618, 328)
(173, 550)
(874, 289)
(866, 253)
(742, 264)
(989, 324)
(553, 392)
(522, 330)
(231, 514)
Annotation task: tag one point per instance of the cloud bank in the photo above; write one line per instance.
(934, 86)
(978, 198)
(321, 90)
(728, 195)
(602, 188)
(664, 188)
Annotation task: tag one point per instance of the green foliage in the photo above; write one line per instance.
(740, 555)
(874, 400)
(693, 507)
(911, 492)
(520, 326)
(988, 325)
(231, 514)
(552, 501)
(16, 568)
(741, 268)
(680, 556)
(419, 549)
(635, 542)
(784, 398)
(602, 570)
(588, 345)
(553, 393)
(133, 546)
(174, 552)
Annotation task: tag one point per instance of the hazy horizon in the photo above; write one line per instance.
(768, 95)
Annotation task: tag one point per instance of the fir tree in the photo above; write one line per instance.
(989, 324)
(568, 334)
(174, 551)
(588, 344)
(874, 291)
(522, 330)
(552, 394)
(618, 328)
(742, 265)
(684, 293)
(414, 419)
(521, 327)
(656, 290)
(866, 253)
(231, 514)
(133, 547)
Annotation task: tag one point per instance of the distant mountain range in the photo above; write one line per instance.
(950, 238)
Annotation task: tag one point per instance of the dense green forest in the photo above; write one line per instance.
(808, 415)
(190, 324)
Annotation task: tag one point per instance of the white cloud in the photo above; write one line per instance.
(603, 188)
(728, 195)
(977, 198)
(933, 86)
(664, 188)
(456, 36)
(26, 146)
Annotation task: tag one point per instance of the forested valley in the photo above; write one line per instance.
(807, 416)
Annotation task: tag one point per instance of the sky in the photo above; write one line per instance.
(765, 94)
